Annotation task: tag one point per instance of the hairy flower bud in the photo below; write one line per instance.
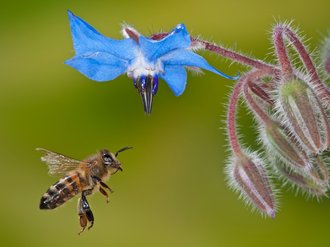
(247, 175)
(320, 171)
(282, 146)
(325, 53)
(304, 116)
(305, 182)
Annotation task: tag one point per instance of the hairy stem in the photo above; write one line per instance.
(231, 117)
(233, 102)
(283, 58)
(235, 56)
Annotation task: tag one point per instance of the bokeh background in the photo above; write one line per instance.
(172, 191)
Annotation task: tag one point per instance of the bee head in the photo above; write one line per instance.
(109, 159)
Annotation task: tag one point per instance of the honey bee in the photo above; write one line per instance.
(83, 177)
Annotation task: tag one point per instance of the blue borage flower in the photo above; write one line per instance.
(103, 59)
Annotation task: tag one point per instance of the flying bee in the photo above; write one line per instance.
(83, 177)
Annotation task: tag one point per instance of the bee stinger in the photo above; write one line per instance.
(79, 177)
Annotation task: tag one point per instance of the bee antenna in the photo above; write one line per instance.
(121, 150)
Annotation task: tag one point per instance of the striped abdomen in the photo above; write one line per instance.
(61, 191)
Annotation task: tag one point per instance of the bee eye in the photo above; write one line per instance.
(107, 159)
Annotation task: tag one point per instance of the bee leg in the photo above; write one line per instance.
(88, 211)
(106, 186)
(97, 180)
(84, 211)
(103, 192)
(82, 216)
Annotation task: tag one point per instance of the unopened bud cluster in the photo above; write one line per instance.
(290, 108)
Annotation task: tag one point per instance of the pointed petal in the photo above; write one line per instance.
(176, 78)
(185, 57)
(153, 49)
(98, 66)
(87, 39)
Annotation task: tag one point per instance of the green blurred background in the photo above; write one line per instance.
(172, 191)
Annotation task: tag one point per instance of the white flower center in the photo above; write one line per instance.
(141, 66)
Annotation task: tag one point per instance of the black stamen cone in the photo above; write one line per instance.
(144, 86)
(147, 101)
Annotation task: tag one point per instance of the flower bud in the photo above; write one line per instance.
(247, 175)
(304, 182)
(304, 116)
(283, 147)
(280, 144)
(325, 53)
(319, 171)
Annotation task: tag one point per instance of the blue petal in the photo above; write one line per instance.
(87, 39)
(176, 78)
(153, 49)
(98, 66)
(185, 57)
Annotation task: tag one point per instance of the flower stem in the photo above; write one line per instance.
(233, 102)
(232, 55)
(283, 59)
(231, 117)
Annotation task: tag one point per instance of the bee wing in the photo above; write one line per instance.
(58, 164)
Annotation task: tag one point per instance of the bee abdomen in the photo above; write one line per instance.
(61, 191)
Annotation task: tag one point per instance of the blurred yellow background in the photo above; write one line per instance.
(172, 191)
